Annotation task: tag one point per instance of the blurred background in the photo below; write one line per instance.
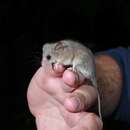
(27, 25)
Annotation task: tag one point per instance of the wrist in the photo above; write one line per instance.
(109, 80)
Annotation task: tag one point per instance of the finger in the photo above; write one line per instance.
(81, 99)
(89, 122)
(58, 68)
(54, 69)
(72, 78)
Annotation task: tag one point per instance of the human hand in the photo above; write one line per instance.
(51, 100)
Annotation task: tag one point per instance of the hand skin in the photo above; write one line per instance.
(51, 100)
(58, 100)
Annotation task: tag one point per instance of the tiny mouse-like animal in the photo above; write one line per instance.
(73, 54)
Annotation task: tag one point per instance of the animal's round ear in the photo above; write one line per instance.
(60, 46)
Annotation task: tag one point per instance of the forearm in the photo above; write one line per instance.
(109, 79)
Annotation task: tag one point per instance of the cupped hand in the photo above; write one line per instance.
(57, 98)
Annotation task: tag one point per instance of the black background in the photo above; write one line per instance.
(26, 25)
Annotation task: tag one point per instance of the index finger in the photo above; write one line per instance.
(55, 70)
(73, 79)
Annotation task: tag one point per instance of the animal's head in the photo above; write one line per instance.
(53, 52)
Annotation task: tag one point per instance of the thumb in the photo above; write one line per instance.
(89, 122)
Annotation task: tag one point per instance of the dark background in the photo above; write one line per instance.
(26, 25)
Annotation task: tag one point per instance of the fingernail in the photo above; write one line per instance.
(76, 103)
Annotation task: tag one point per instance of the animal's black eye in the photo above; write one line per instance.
(48, 57)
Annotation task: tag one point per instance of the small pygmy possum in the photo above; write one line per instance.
(75, 55)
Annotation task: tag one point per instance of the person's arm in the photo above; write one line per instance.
(109, 79)
(113, 75)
